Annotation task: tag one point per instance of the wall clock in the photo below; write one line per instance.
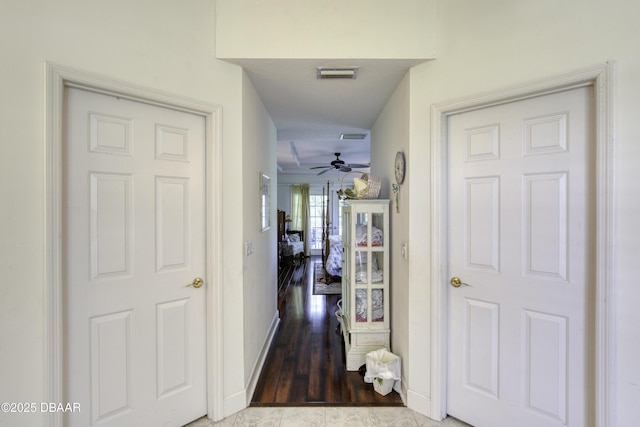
(400, 167)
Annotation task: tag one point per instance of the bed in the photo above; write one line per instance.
(333, 264)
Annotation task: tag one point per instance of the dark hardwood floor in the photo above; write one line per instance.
(306, 364)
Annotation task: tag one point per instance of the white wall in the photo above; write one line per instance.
(261, 275)
(389, 135)
(284, 197)
(311, 179)
(326, 29)
(164, 45)
(494, 44)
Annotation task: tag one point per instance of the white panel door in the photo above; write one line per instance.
(134, 238)
(521, 236)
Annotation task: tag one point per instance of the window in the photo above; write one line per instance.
(316, 217)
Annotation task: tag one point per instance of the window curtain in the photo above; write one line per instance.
(300, 212)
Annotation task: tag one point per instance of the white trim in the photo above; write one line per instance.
(57, 78)
(600, 78)
(235, 403)
(417, 401)
(257, 369)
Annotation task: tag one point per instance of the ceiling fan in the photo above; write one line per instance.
(340, 165)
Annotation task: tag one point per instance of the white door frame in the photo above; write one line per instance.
(57, 78)
(600, 78)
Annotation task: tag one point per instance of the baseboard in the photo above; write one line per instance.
(404, 390)
(241, 399)
(234, 403)
(257, 369)
(419, 403)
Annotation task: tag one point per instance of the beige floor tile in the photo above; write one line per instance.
(259, 417)
(332, 416)
(303, 417)
(392, 417)
(348, 417)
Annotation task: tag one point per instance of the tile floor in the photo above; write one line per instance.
(328, 416)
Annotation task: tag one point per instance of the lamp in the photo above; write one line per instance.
(287, 220)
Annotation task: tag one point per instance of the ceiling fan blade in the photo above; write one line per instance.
(340, 165)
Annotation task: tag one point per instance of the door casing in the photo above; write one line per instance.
(600, 78)
(57, 78)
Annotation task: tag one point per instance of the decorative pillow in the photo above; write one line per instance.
(294, 238)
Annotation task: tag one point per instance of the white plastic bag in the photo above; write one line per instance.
(384, 365)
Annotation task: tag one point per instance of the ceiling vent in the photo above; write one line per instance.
(337, 73)
(357, 136)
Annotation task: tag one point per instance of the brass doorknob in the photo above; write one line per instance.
(197, 282)
(456, 282)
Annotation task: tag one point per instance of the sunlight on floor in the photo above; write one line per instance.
(316, 305)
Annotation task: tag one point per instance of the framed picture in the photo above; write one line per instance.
(265, 184)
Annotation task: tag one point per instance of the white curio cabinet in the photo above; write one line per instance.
(364, 313)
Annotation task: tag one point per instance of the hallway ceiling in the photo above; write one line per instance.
(310, 114)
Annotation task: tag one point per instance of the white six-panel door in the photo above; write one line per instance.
(134, 238)
(521, 235)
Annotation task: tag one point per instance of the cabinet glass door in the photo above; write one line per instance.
(377, 305)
